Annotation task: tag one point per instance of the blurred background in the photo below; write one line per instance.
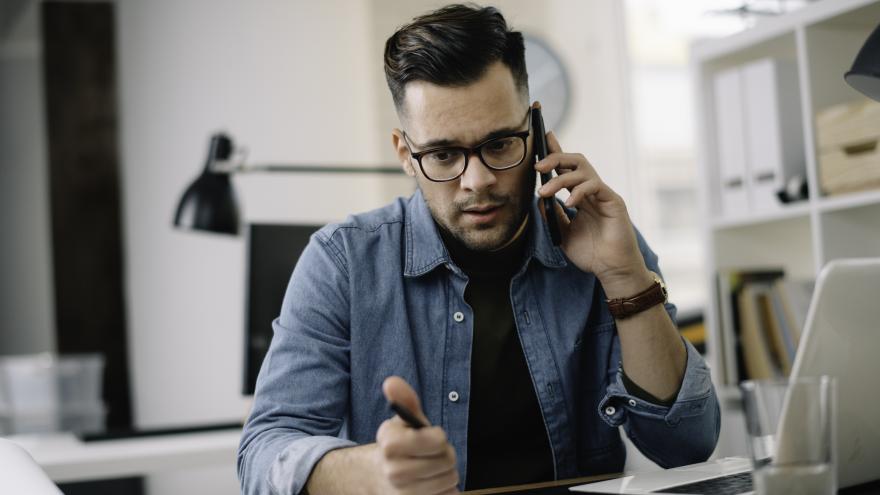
(106, 112)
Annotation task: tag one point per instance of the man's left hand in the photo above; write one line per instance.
(600, 238)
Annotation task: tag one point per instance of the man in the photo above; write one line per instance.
(455, 304)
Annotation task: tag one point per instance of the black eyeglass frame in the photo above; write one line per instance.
(478, 149)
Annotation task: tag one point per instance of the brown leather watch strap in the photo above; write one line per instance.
(628, 306)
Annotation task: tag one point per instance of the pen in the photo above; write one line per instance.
(407, 416)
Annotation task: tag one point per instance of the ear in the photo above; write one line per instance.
(402, 151)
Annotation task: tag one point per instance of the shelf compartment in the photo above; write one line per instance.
(786, 212)
(852, 232)
(785, 243)
(849, 200)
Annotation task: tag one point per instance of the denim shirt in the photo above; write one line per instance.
(379, 295)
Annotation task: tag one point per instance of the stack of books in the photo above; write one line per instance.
(762, 316)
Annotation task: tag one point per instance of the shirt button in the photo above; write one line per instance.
(453, 396)
(632, 403)
(458, 316)
(610, 410)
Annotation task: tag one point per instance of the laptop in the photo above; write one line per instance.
(21, 474)
(841, 338)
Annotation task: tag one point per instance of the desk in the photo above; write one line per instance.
(66, 458)
(547, 488)
(561, 487)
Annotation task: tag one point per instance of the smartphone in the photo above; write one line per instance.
(540, 149)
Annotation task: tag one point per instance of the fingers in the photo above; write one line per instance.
(567, 181)
(398, 391)
(582, 191)
(398, 440)
(416, 461)
(562, 162)
(553, 143)
(439, 485)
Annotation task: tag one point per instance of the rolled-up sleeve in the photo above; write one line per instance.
(684, 432)
(302, 391)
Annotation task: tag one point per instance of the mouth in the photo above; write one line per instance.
(482, 213)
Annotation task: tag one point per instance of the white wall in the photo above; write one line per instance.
(286, 80)
(27, 309)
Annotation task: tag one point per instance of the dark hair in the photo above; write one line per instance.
(453, 46)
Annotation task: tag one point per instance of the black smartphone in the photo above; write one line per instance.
(540, 150)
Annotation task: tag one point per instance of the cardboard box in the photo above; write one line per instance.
(848, 139)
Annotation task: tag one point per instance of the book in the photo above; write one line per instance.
(771, 328)
(788, 335)
(757, 359)
(729, 287)
(795, 297)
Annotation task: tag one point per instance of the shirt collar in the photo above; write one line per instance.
(425, 250)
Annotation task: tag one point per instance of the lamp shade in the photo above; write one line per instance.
(865, 73)
(209, 203)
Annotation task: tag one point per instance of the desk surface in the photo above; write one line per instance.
(65, 457)
(546, 488)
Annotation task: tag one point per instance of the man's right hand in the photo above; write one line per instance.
(413, 461)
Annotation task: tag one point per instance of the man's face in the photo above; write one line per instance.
(483, 208)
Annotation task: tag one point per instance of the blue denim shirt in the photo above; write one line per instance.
(378, 295)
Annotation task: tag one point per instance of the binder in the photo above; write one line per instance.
(730, 137)
(774, 140)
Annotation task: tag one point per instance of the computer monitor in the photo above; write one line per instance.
(273, 251)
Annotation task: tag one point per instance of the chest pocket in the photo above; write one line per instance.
(595, 350)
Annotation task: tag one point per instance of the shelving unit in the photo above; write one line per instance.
(822, 39)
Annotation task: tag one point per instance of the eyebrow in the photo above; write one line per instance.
(442, 143)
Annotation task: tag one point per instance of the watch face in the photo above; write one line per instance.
(660, 281)
(548, 82)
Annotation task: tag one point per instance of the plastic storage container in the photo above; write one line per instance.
(45, 393)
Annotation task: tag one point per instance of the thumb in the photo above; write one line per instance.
(398, 391)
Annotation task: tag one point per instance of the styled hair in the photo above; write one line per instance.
(453, 46)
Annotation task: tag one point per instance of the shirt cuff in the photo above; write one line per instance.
(293, 466)
(692, 399)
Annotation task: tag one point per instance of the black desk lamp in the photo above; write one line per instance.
(865, 73)
(209, 203)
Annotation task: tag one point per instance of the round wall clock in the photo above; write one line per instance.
(548, 81)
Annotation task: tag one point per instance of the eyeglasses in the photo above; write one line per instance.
(449, 162)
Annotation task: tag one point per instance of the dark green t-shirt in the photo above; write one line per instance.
(507, 439)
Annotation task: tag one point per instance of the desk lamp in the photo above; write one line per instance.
(209, 203)
(865, 73)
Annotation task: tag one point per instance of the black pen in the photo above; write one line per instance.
(407, 416)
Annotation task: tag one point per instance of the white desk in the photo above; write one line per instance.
(65, 458)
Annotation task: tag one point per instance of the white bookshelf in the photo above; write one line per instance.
(822, 40)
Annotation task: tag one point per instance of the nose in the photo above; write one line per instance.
(477, 176)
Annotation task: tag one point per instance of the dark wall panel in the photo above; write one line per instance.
(80, 84)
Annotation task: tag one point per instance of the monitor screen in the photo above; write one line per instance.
(273, 251)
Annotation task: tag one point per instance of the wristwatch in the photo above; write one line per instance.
(627, 306)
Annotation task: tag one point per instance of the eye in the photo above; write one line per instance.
(499, 145)
(442, 157)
